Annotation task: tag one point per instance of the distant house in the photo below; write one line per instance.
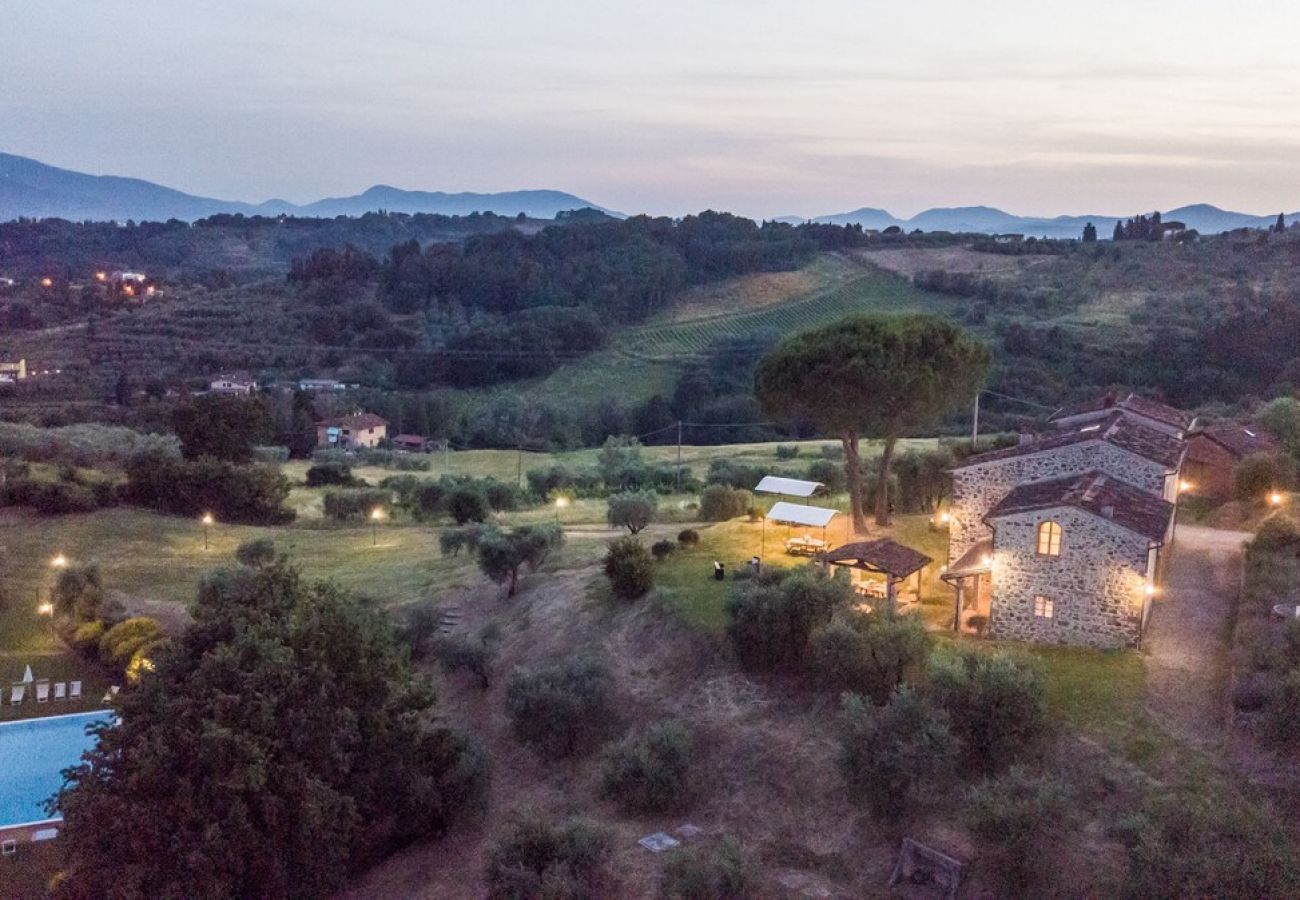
(1213, 453)
(1151, 413)
(15, 371)
(231, 385)
(412, 443)
(1060, 539)
(321, 384)
(357, 430)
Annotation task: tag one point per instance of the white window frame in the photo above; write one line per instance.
(1044, 607)
(1045, 528)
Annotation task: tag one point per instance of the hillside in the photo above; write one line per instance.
(32, 189)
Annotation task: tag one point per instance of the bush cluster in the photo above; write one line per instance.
(650, 772)
(243, 494)
(356, 504)
(558, 708)
(719, 503)
(771, 618)
(535, 860)
(629, 568)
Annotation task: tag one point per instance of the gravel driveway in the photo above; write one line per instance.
(1186, 643)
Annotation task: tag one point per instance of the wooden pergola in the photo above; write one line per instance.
(882, 557)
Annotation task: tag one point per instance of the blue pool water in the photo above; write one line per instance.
(33, 755)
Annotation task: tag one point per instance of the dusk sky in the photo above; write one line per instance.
(761, 108)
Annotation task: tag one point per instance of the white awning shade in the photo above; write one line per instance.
(798, 514)
(792, 487)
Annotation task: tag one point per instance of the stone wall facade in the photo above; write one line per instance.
(977, 489)
(1097, 584)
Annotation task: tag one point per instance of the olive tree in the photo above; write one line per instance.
(878, 376)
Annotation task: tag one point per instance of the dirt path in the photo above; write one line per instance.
(1186, 643)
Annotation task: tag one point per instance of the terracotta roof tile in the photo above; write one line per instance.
(1102, 495)
(1242, 440)
(1117, 429)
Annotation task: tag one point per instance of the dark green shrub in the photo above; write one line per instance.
(1277, 534)
(79, 594)
(467, 504)
(330, 474)
(242, 494)
(719, 503)
(688, 537)
(426, 500)
(890, 755)
(729, 473)
(1259, 474)
(1283, 711)
(418, 629)
(629, 568)
(62, 498)
(356, 504)
(500, 496)
(1019, 815)
(787, 451)
(472, 654)
(1202, 843)
(535, 860)
(256, 552)
(662, 549)
(633, 510)
(772, 616)
(559, 707)
(869, 654)
(706, 873)
(996, 706)
(650, 772)
(827, 472)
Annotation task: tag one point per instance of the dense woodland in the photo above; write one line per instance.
(440, 318)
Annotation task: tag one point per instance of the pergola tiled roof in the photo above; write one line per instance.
(1095, 492)
(880, 555)
(1117, 430)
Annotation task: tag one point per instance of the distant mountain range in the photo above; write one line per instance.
(35, 190)
(32, 189)
(1203, 217)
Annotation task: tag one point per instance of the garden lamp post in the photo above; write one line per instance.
(375, 515)
(59, 562)
(207, 524)
(560, 503)
(1275, 499)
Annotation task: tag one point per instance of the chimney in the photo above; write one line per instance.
(1109, 400)
(1108, 512)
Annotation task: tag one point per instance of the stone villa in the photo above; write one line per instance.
(1061, 539)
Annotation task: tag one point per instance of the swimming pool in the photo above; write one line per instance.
(33, 755)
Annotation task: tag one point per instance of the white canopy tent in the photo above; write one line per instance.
(784, 513)
(798, 514)
(791, 487)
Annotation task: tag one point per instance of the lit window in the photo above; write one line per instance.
(1043, 607)
(1049, 539)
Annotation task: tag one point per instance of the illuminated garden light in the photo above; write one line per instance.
(376, 515)
(207, 524)
(1275, 498)
(45, 609)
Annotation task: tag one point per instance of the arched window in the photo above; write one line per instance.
(1049, 539)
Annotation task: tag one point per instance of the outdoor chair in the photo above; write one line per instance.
(17, 693)
(43, 691)
(75, 690)
(60, 690)
(112, 693)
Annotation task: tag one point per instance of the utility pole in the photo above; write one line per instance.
(975, 425)
(519, 467)
(678, 474)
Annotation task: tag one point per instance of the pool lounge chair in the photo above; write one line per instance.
(17, 693)
(75, 690)
(60, 690)
(112, 693)
(43, 691)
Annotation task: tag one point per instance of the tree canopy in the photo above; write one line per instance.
(878, 376)
(281, 744)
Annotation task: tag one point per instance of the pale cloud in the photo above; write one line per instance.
(759, 106)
